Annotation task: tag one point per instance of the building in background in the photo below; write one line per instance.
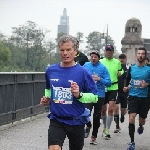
(63, 28)
(132, 40)
(147, 46)
(64, 23)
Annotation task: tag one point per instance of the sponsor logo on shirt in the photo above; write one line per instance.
(54, 79)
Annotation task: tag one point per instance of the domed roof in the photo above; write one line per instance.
(133, 30)
(133, 21)
(133, 18)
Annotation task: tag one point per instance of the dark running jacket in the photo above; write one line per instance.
(81, 58)
(122, 78)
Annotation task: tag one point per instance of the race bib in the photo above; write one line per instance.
(62, 95)
(137, 83)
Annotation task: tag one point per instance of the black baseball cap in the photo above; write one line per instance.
(109, 47)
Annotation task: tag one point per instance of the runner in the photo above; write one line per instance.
(80, 57)
(65, 83)
(114, 68)
(122, 96)
(102, 78)
(137, 82)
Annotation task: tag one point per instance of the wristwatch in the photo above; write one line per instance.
(80, 95)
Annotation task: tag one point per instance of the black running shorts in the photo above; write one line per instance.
(122, 99)
(138, 105)
(110, 96)
(58, 131)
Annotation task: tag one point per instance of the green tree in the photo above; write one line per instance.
(97, 40)
(5, 55)
(94, 41)
(80, 36)
(29, 37)
(50, 46)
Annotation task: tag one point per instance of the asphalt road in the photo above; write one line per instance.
(31, 134)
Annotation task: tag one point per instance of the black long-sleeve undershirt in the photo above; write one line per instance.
(128, 78)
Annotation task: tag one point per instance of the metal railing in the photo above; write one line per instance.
(20, 94)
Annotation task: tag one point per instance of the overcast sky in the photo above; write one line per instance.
(84, 15)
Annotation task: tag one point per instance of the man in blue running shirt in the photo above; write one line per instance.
(102, 78)
(68, 87)
(137, 81)
(147, 62)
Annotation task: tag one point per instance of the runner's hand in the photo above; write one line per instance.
(119, 73)
(45, 101)
(143, 83)
(95, 77)
(75, 89)
(125, 89)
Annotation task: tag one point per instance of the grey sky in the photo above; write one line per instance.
(84, 15)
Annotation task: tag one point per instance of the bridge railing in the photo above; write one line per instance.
(20, 94)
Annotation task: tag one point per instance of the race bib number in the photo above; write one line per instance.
(137, 83)
(62, 95)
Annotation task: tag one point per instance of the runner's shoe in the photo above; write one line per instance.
(140, 130)
(131, 146)
(93, 140)
(107, 136)
(87, 132)
(117, 130)
(104, 134)
(122, 118)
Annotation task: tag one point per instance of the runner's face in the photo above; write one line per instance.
(109, 53)
(67, 52)
(141, 55)
(94, 59)
(123, 61)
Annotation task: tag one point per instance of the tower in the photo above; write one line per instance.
(132, 39)
(64, 23)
